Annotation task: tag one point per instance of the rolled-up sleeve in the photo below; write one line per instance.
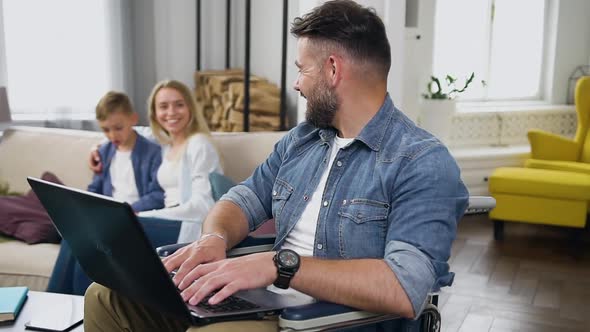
(248, 201)
(429, 199)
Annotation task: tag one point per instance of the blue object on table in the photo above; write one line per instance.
(11, 302)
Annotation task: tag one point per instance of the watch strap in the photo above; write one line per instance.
(283, 280)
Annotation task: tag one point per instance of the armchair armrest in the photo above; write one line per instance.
(250, 245)
(325, 315)
(548, 146)
(480, 204)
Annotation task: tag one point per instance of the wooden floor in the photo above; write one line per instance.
(532, 281)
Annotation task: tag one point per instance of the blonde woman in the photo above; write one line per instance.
(188, 156)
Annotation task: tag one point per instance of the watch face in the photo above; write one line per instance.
(288, 258)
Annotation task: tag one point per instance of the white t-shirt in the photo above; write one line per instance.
(168, 179)
(302, 237)
(123, 177)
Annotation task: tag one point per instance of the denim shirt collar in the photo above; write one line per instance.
(372, 134)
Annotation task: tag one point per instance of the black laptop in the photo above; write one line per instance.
(108, 241)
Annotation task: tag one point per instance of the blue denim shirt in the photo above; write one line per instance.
(394, 193)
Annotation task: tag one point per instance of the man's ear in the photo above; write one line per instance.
(335, 69)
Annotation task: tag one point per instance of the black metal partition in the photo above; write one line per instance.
(283, 100)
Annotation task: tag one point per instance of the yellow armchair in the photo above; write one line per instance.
(550, 151)
(554, 187)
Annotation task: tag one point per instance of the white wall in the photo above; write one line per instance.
(3, 76)
(419, 45)
(572, 46)
(175, 34)
(143, 53)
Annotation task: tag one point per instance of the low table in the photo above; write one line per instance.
(42, 305)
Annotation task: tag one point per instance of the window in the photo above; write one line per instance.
(60, 57)
(502, 41)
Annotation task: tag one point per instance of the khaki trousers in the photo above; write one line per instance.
(105, 310)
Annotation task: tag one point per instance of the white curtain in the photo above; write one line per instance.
(61, 56)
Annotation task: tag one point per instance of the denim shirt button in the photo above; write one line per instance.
(274, 193)
(325, 203)
(319, 246)
(344, 202)
(339, 163)
(305, 197)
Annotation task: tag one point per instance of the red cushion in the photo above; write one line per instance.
(24, 218)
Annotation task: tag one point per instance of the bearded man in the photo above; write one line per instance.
(368, 201)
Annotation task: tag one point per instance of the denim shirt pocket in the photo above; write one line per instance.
(281, 191)
(362, 229)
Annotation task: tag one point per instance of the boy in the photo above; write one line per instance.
(131, 161)
(129, 174)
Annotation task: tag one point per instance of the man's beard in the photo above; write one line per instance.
(322, 105)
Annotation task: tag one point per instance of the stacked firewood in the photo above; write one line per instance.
(220, 95)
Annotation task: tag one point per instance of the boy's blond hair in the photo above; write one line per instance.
(113, 102)
(196, 123)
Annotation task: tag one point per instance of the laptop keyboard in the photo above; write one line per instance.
(230, 304)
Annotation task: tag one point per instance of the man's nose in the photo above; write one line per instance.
(296, 85)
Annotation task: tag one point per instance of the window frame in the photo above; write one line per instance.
(549, 29)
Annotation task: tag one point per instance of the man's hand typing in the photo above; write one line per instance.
(228, 276)
(207, 250)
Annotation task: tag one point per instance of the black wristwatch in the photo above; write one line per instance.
(287, 262)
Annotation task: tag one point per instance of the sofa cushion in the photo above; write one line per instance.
(28, 265)
(241, 153)
(29, 151)
(24, 218)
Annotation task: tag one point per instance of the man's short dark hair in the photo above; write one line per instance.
(353, 28)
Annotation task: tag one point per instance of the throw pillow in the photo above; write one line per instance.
(23, 217)
(220, 184)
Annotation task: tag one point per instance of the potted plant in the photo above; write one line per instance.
(438, 105)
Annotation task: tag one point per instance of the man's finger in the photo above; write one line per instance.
(203, 287)
(174, 260)
(225, 292)
(196, 273)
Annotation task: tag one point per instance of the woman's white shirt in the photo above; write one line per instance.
(198, 160)
(168, 180)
